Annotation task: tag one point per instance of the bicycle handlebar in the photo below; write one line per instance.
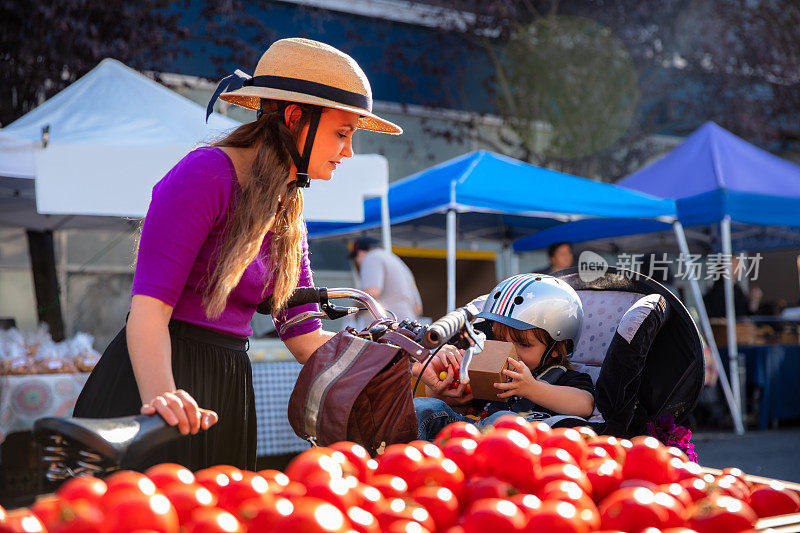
(440, 331)
(300, 296)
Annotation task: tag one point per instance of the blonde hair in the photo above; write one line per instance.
(266, 201)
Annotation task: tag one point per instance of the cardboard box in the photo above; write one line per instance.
(486, 369)
(745, 332)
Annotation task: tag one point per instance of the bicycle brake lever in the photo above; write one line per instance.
(336, 311)
(477, 340)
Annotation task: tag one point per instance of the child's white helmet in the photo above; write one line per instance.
(528, 301)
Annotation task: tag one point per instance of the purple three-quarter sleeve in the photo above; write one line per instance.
(305, 280)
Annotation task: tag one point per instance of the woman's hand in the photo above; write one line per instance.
(446, 360)
(522, 381)
(178, 408)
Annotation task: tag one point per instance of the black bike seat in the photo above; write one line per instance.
(125, 441)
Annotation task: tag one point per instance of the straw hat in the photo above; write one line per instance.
(311, 72)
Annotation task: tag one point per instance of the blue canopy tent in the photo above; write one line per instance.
(496, 197)
(715, 178)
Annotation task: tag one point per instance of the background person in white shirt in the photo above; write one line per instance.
(385, 277)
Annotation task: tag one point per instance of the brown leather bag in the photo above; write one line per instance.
(354, 389)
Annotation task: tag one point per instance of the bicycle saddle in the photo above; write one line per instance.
(97, 444)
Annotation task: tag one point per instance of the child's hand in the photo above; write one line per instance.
(522, 381)
(440, 375)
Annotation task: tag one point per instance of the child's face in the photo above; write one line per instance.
(531, 351)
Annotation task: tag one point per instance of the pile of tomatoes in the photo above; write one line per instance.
(517, 477)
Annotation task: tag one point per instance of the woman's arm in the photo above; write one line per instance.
(304, 345)
(147, 333)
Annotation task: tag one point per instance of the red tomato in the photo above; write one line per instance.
(88, 488)
(738, 474)
(390, 486)
(569, 491)
(294, 489)
(462, 452)
(321, 463)
(631, 509)
(493, 515)
(721, 514)
(362, 520)
(677, 491)
(440, 502)
(557, 517)
(597, 452)
(406, 526)
(610, 444)
(774, 499)
(21, 521)
(275, 478)
(230, 471)
(480, 487)
(674, 508)
(568, 439)
(399, 460)
(696, 487)
(232, 495)
(565, 473)
(168, 473)
(213, 520)
(427, 449)
(507, 454)
(732, 487)
(212, 479)
(80, 516)
(399, 509)
(648, 459)
(587, 433)
(686, 470)
(368, 497)
(528, 503)
(518, 423)
(312, 515)
(187, 498)
(261, 514)
(129, 510)
(358, 457)
(439, 473)
(2, 513)
(556, 456)
(605, 476)
(48, 510)
(126, 480)
(338, 491)
(464, 430)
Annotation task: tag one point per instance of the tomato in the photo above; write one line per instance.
(493, 515)
(262, 514)
(686, 470)
(605, 476)
(168, 473)
(406, 526)
(338, 491)
(517, 422)
(368, 497)
(557, 517)
(80, 516)
(732, 487)
(677, 491)
(390, 486)
(321, 463)
(774, 499)
(126, 480)
(631, 509)
(480, 487)
(48, 510)
(566, 473)
(528, 503)
(597, 452)
(294, 489)
(399, 460)
(610, 444)
(187, 498)
(311, 515)
(721, 514)
(569, 491)
(358, 457)
(362, 520)
(212, 479)
(556, 456)
(463, 430)
(213, 520)
(21, 521)
(439, 473)
(462, 452)
(648, 459)
(232, 495)
(2, 513)
(696, 487)
(568, 439)
(507, 454)
(674, 508)
(88, 488)
(738, 474)
(402, 509)
(129, 510)
(587, 433)
(230, 471)
(427, 449)
(440, 502)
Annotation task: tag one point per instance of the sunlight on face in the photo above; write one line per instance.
(530, 352)
(332, 143)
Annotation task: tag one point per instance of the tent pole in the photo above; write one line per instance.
(730, 314)
(709, 334)
(386, 225)
(451, 259)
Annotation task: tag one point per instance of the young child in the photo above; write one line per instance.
(541, 316)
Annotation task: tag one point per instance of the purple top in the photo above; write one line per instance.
(182, 230)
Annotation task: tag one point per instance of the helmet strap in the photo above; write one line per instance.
(543, 361)
(301, 161)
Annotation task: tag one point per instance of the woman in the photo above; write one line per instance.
(224, 231)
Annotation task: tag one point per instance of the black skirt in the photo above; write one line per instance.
(213, 367)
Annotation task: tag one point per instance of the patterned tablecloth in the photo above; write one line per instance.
(273, 383)
(24, 398)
